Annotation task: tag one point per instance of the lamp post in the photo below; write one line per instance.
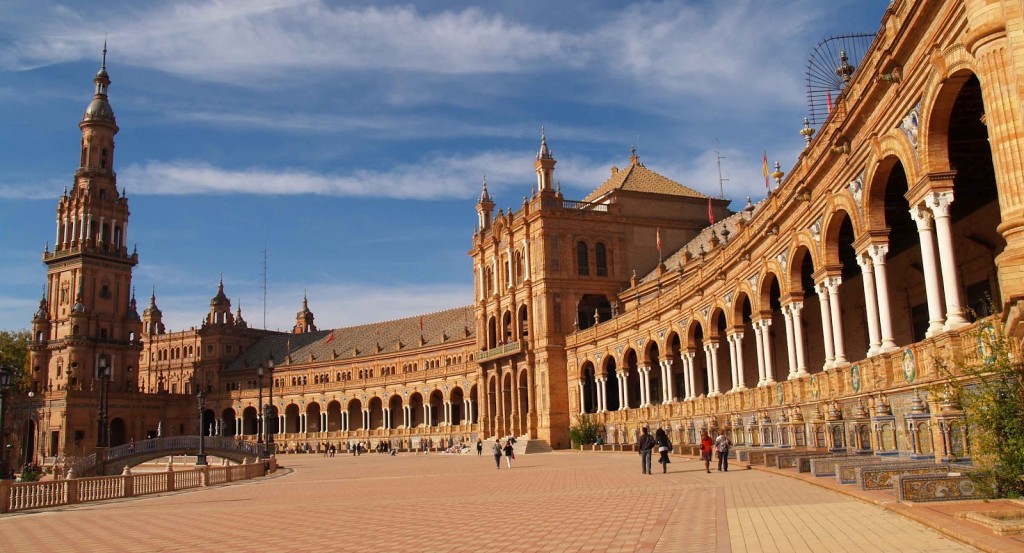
(201, 457)
(103, 373)
(261, 413)
(268, 410)
(5, 381)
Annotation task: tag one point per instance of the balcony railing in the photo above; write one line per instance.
(506, 350)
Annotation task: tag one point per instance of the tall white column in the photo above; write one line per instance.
(731, 339)
(670, 385)
(713, 368)
(691, 373)
(623, 391)
(878, 253)
(798, 333)
(600, 394)
(870, 303)
(645, 385)
(939, 203)
(787, 313)
(832, 283)
(759, 353)
(56, 242)
(766, 351)
(930, 266)
(583, 399)
(741, 383)
(826, 325)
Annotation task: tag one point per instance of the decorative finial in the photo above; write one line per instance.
(777, 174)
(807, 132)
(544, 152)
(103, 65)
(845, 70)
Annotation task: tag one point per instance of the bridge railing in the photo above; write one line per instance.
(181, 443)
(23, 496)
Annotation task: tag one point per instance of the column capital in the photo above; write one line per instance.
(864, 262)
(878, 253)
(822, 290)
(922, 216)
(711, 348)
(832, 283)
(939, 202)
(763, 323)
(735, 335)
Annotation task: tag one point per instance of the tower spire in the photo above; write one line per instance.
(103, 65)
(544, 166)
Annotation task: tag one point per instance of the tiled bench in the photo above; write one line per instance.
(826, 466)
(846, 473)
(882, 476)
(791, 459)
(921, 488)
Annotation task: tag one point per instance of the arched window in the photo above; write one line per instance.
(601, 258)
(103, 158)
(518, 267)
(582, 259)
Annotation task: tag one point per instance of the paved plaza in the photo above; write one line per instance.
(565, 501)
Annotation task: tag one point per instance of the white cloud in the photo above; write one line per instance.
(435, 177)
(665, 49)
(250, 42)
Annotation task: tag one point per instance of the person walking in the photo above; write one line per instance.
(509, 453)
(479, 446)
(664, 448)
(645, 444)
(722, 445)
(496, 448)
(706, 446)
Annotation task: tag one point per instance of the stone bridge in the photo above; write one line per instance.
(113, 460)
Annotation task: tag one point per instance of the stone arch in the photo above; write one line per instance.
(953, 67)
(801, 251)
(355, 414)
(457, 399)
(895, 150)
(735, 311)
(631, 370)
(830, 235)
(334, 416)
(415, 410)
(396, 414)
(313, 417)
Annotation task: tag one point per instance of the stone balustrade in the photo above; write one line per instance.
(23, 496)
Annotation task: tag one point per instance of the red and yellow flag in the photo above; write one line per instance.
(711, 214)
(764, 169)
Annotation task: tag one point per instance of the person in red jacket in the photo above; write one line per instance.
(706, 446)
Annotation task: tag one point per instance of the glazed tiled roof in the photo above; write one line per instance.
(363, 340)
(730, 223)
(637, 178)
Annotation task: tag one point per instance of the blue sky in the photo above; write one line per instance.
(351, 138)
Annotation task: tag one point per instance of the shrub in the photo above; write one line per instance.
(584, 431)
(992, 397)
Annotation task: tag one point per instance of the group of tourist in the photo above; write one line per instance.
(499, 449)
(647, 443)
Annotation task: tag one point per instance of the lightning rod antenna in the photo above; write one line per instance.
(721, 181)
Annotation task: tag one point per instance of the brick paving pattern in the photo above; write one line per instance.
(559, 502)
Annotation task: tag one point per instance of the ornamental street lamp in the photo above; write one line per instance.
(5, 381)
(261, 413)
(201, 457)
(268, 408)
(103, 373)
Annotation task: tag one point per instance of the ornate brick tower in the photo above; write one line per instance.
(89, 317)
(89, 273)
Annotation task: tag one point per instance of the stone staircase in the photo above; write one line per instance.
(523, 446)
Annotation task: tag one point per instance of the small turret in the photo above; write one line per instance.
(152, 317)
(484, 208)
(304, 318)
(220, 307)
(544, 166)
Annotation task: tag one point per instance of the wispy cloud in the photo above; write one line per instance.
(435, 177)
(703, 50)
(249, 42)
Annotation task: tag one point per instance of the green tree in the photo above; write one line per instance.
(992, 396)
(14, 356)
(585, 430)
